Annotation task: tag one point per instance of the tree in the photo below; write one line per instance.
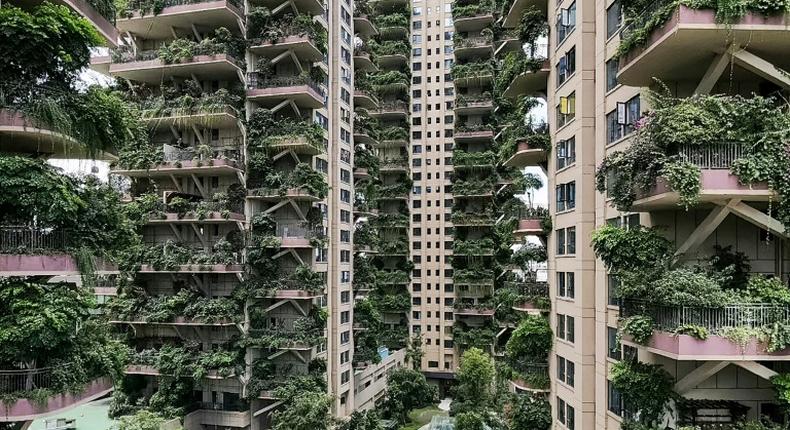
(475, 391)
(142, 420)
(530, 413)
(407, 389)
(309, 411)
(47, 45)
(363, 420)
(414, 351)
(470, 421)
(531, 339)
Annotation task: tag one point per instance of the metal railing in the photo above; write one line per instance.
(13, 381)
(471, 42)
(639, 21)
(175, 154)
(294, 230)
(145, 4)
(17, 238)
(216, 406)
(256, 80)
(748, 315)
(394, 105)
(718, 156)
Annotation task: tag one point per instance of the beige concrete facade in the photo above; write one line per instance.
(432, 120)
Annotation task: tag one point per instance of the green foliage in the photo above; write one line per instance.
(142, 420)
(474, 390)
(363, 420)
(514, 64)
(47, 45)
(668, 138)
(407, 389)
(308, 411)
(263, 27)
(530, 413)
(630, 249)
(639, 327)
(781, 385)
(732, 270)
(693, 330)
(470, 421)
(646, 388)
(532, 339)
(727, 12)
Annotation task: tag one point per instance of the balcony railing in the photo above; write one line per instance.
(639, 21)
(472, 42)
(295, 230)
(176, 154)
(718, 156)
(13, 381)
(669, 318)
(257, 80)
(19, 238)
(145, 4)
(230, 407)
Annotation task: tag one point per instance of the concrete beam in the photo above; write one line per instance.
(699, 375)
(713, 73)
(757, 368)
(762, 68)
(759, 219)
(705, 228)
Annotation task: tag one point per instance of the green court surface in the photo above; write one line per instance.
(90, 416)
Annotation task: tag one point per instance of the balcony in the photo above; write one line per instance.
(473, 277)
(533, 296)
(222, 161)
(513, 17)
(752, 317)
(295, 235)
(391, 110)
(473, 189)
(394, 165)
(23, 409)
(29, 251)
(473, 248)
(532, 82)
(19, 134)
(194, 268)
(271, 91)
(204, 212)
(716, 181)
(473, 219)
(215, 117)
(150, 68)
(311, 7)
(394, 192)
(474, 104)
(474, 133)
(217, 415)
(473, 47)
(363, 60)
(364, 26)
(472, 74)
(178, 14)
(100, 20)
(532, 378)
(530, 151)
(700, 36)
(471, 310)
(365, 99)
(305, 48)
(471, 18)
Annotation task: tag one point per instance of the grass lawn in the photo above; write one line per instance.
(420, 417)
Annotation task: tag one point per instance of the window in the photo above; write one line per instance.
(344, 356)
(345, 95)
(345, 256)
(614, 17)
(566, 66)
(344, 317)
(345, 297)
(345, 175)
(345, 276)
(565, 328)
(416, 52)
(566, 370)
(345, 337)
(345, 155)
(566, 153)
(566, 196)
(565, 414)
(346, 55)
(616, 403)
(322, 120)
(417, 11)
(566, 241)
(345, 15)
(345, 216)
(620, 122)
(566, 22)
(344, 377)
(612, 343)
(566, 109)
(566, 285)
(611, 289)
(345, 196)
(611, 73)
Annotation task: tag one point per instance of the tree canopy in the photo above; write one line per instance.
(407, 389)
